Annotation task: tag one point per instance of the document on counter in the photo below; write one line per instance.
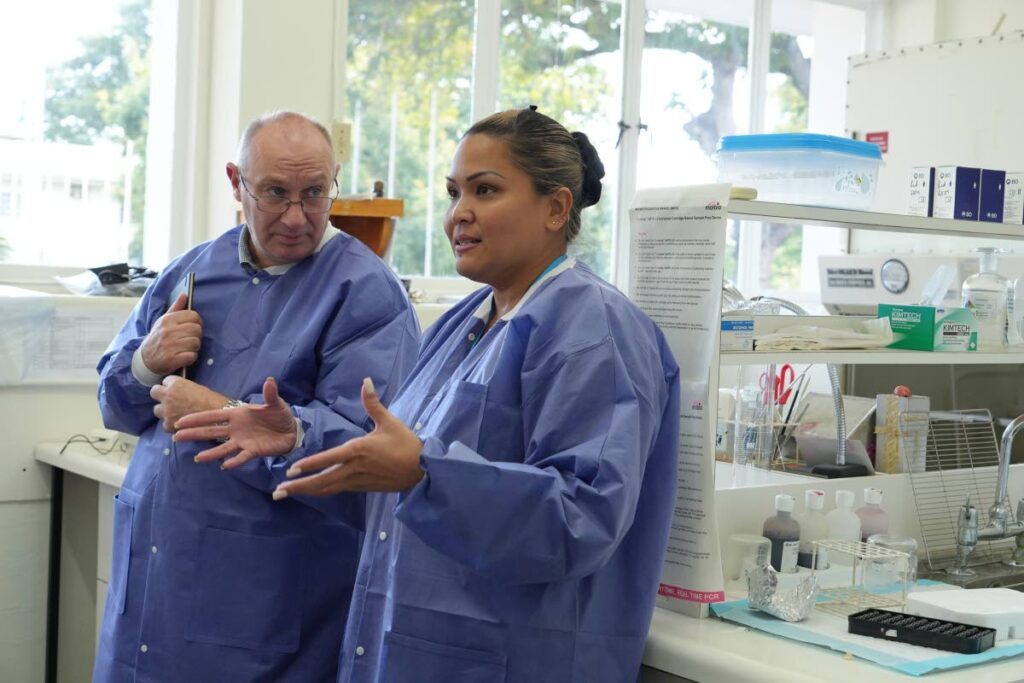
(677, 251)
(71, 345)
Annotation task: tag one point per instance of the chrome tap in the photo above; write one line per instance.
(1002, 523)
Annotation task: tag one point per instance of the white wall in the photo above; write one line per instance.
(920, 22)
(227, 63)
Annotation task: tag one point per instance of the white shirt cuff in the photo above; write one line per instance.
(300, 434)
(144, 375)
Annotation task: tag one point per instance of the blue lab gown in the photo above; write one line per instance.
(212, 580)
(532, 548)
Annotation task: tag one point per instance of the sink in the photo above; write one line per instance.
(990, 575)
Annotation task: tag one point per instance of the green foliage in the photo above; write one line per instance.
(401, 52)
(406, 50)
(785, 264)
(103, 94)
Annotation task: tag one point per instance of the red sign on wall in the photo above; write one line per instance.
(881, 139)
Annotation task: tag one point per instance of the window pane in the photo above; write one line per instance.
(694, 90)
(565, 58)
(408, 86)
(76, 102)
(786, 110)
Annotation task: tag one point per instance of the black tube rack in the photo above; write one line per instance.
(917, 630)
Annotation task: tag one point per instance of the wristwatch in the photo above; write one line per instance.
(232, 403)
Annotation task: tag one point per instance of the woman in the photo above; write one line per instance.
(521, 522)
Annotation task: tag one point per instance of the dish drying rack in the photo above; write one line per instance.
(960, 459)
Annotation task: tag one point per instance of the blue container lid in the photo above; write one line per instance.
(803, 142)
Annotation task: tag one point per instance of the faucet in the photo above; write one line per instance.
(1001, 522)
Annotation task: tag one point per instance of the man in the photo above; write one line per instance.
(211, 580)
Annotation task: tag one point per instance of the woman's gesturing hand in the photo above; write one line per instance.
(386, 459)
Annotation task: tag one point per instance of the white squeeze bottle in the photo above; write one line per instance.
(873, 519)
(813, 527)
(784, 533)
(843, 524)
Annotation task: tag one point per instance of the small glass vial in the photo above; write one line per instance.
(784, 533)
(985, 294)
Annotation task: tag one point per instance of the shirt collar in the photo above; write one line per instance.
(483, 311)
(245, 255)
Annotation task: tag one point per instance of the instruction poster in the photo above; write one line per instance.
(677, 248)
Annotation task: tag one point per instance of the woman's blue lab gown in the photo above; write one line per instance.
(531, 550)
(211, 579)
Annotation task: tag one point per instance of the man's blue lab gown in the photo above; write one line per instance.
(532, 548)
(211, 579)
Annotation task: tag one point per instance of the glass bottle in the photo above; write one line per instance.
(985, 294)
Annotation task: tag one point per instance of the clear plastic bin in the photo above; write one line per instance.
(802, 168)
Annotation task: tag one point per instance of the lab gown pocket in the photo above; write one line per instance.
(415, 659)
(124, 515)
(459, 415)
(248, 591)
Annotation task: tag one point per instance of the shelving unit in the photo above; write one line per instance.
(794, 214)
(871, 357)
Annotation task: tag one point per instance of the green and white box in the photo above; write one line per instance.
(923, 328)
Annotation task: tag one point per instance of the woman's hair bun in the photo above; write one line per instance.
(593, 170)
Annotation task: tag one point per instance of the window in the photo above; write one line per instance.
(409, 89)
(564, 58)
(77, 102)
(410, 85)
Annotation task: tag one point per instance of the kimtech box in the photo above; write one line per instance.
(923, 328)
(956, 192)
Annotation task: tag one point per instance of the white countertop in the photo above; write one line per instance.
(80, 458)
(716, 651)
(705, 650)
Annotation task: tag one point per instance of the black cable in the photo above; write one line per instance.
(82, 438)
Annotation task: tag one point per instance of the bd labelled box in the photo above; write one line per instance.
(991, 193)
(1013, 199)
(957, 192)
(922, 182)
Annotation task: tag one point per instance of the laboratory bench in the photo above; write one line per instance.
(714, 651)
(679, 647)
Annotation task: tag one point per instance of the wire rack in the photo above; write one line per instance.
(961, 459)
(846, 600)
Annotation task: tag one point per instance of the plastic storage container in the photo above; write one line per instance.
(802, 168)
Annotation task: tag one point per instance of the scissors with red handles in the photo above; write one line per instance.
(781, 385)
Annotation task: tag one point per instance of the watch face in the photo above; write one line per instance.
(895, 276)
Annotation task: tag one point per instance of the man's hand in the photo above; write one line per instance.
(177, 397)
(386, 459)
(249, 431)
(174, 341)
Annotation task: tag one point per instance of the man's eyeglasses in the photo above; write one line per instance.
(272, 203)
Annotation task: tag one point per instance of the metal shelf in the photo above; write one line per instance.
(797, 214)
(878, 357)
